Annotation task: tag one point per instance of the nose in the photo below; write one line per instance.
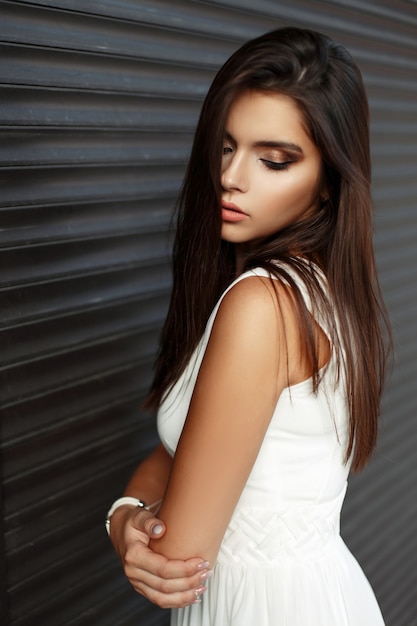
(234, 176)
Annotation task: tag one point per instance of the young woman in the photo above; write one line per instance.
(272, 357)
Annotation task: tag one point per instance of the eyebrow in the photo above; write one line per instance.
(280, 145)
(286, 145)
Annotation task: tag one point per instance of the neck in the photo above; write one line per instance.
(240, 257)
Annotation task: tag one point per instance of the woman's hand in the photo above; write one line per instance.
(166, 582)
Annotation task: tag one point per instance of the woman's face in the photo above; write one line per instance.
(271, 169)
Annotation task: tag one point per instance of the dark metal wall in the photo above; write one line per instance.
(98, 104)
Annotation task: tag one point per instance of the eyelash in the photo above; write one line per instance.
(273, 165)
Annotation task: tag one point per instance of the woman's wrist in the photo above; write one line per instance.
(132, 503)
(122, 502)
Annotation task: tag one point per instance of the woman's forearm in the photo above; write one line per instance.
(150, 478)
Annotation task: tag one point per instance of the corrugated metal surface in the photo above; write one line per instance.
(381, 511)
(98, 103)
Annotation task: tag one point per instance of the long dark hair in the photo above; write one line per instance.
(325, 83)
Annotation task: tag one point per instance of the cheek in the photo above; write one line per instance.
(287, 195)
(300, 191)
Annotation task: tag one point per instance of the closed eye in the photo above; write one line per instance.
(275, 165)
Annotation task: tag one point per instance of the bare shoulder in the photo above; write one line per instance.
(258, 300)
(255, 328)
(260, 315)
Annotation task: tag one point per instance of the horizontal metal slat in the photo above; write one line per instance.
(110, 602)
(25, 516)
(348, 21)
(386, 145)
(59, 575)
(109, 393)
(391, 258)
(52, 260)
(211, 19)
(53, 450)
(393, 173)
(389, 238)
(394, 279)
(383, 150)
(81, 184)
(395, 196)
(71, 234)
(401, 80)
(399, 61)
(31, 66)
(82, 417)
(403, 612)
(394, 128)
(122, 603)
(184, 16)
(50, 28)
(49, 336)
(401, 11)
(65, 147)
(393, 217)
(58, 372)
(63, 296)
(405, 316)
(404, 110)
(34, 487)
(79, 109)
(64, 222)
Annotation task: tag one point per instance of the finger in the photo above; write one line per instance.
(170, 600)
(154, 527)
(175, 568)
(166, 586)
(146, 522)
(141, 558)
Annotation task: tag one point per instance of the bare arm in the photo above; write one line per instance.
(243, 372)
(168, 583)
(150, 478)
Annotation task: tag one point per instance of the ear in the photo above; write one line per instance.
(324, 191)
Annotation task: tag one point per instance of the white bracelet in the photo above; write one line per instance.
(121, 502)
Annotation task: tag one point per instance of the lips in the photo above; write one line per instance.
(232, 213)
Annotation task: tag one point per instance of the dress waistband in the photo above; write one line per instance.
(257, 537)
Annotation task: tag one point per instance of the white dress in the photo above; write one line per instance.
(282, 561)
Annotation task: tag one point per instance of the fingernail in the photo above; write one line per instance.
(197, 593)
(157, 529)
(206, 575)
(203, 565)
